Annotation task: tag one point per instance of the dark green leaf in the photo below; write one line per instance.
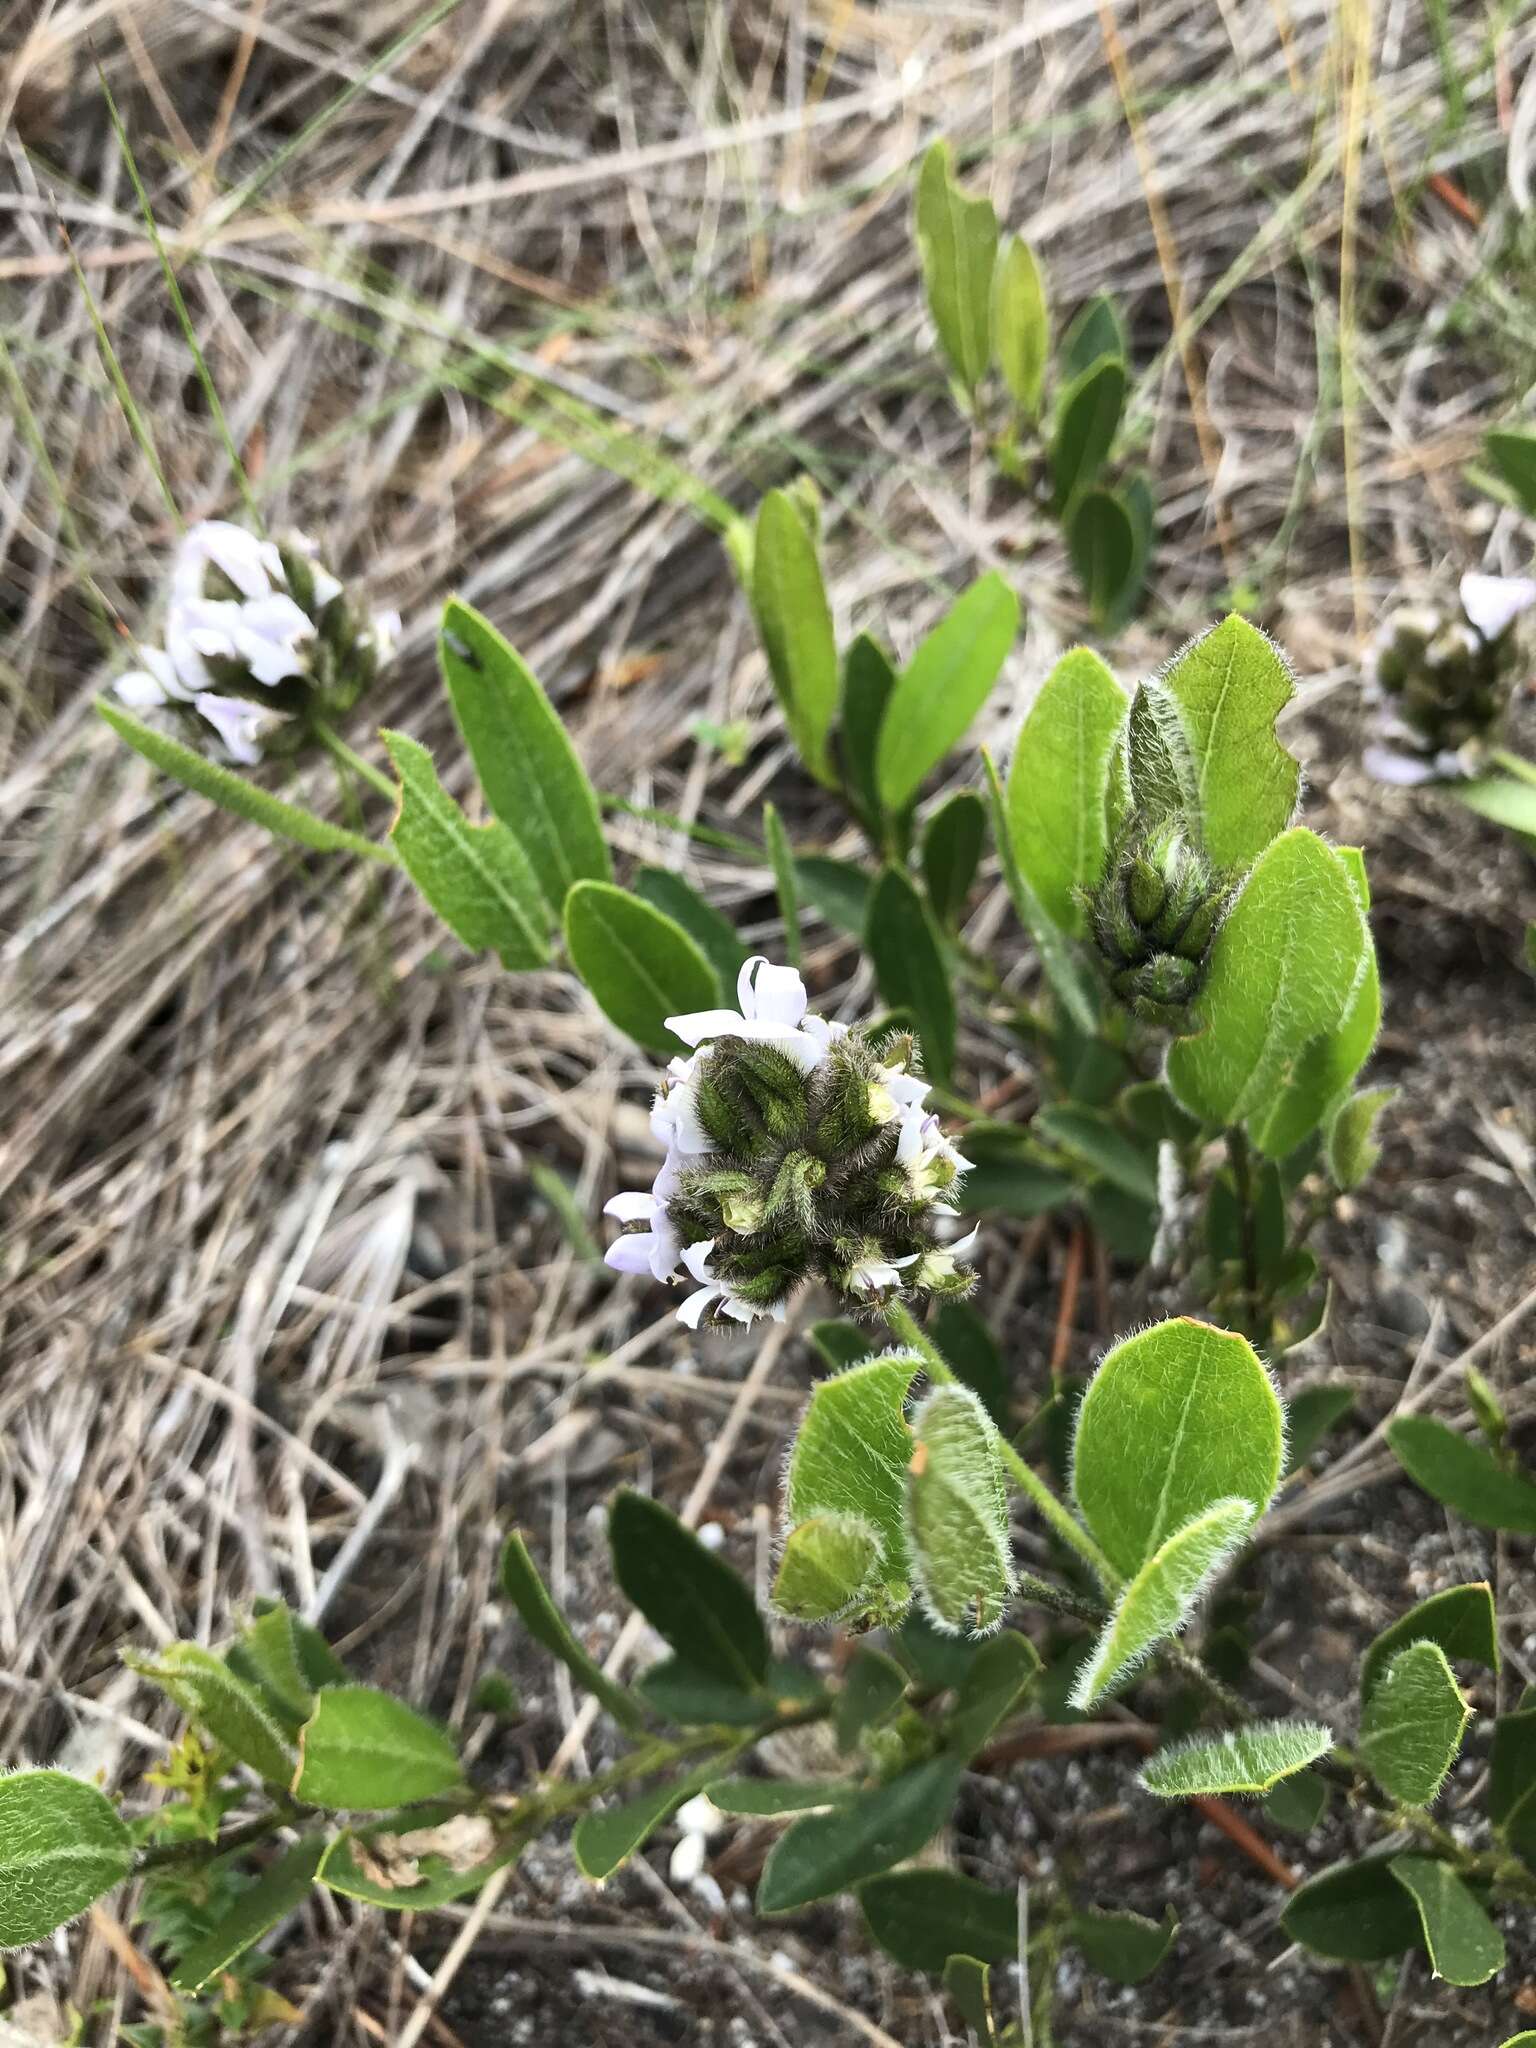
(872, 1688)
(280, 1890)
(951, 850)
(1463, 1475)
(969, 1984)
(766, 1798)
(692, 1598)
(266, 1655)
(363, 1750)
(606, 1838)
(1309, 1416)
(1087, 420)
(973, 1354)
(641, 966)
(1354, 1913)
(841, 1344)
(1464, 1945)
(696, 1699)
(1512, 451)
(781, 858)
(943, 686)
(521, 1583)
(988, 1693)
(714, 935)
(836, 888)
(1512, 1778)
(1014, 1188)
(1090, 1136)
(476, 877)
(828, 1852)
(1124, 1947)
(411, 1862)
(1461, 1620)
(62, 1847)
(232, 792)
(1095, 330)
(923, 1917)
(1296, 1804)
(531, 774)
(1102, 543)
(911, 969)
(795, 620)
(869, 677)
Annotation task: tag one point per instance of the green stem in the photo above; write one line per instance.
(904, 1324)
(337, 747)
(1513, 764)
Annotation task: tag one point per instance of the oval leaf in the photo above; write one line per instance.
(869, 677)
(923, 1917)
(1174, 1420)
(1412, 1724)
(1126, 1947)
(362, 1751)
(714, 935)
(828, 1852)
(795, 621)
(1247, 1760)
(911, 969)
(1102, 544)
(606, 1839)
(1464, 1945)
(62, 1846)
(1461, 1620)
(1463, 1475)
(1021, 327)
(692, 1598)
(1087, 420)
(957, 1513)
(476, 877)
(957, 247)
(850, 1453)
(827, 1564)
(951, 850)
(943, 686)
(531, 774)
(640, 966)
(235, 1714)
(1354, 1913)
(1058, 784)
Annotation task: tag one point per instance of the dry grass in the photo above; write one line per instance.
(517, 313)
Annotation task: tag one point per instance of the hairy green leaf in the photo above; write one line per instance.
(363, 1750)
(62, 1846)
(235, 1714)
(1058, 784)
(850, 1453)
(1226, 689)
(1412, 1724)
(957, 1513)
(827, 1563)
(1062, 971)
(1248, 1759)
(1461, 1620)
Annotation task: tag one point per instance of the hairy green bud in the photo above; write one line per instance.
(1153, 919)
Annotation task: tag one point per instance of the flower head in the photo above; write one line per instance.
(1438, 679)
(796, 1149)
(1153, 919)
(260, 639)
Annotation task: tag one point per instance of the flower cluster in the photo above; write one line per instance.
(1154, 917)
(1439, 680)
(260, 638)
(796, 1149)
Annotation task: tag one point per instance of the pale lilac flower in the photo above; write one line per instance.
(1493, 603)
(874, 1275)
(655, 1249)
(937, 1269)
(772, 1011)
(932, 1163)
(696, 1259)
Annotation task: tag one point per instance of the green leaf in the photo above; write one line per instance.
(988, 1692)
(1412, 1724)
(1226, 690)
(1284, 968)
(1125, 1947)
(1463, 1475)
(1058, 784)
(869, 677)
(1174, 1420)
(1483, 1400)
(782, 860)
(795, 621)
(973, 1356)
(1095, 330)
(957, 1513)
(840, 1343)
(1317, 1095)
(1464, 1945)
(1352, 1146)
(1512, 451)
(363, 1750)
(62, 1847)
(873, 1687)
(1504, 800)
(694, 1601)
(836, 888)
(532, 776)
(1297, 1804)
(1021, 324)
(233, 793)
(640, 966)
(695, 1699)
(1013, 1187)
(1512, 1776)
(1056, 956)
(1102, 543)
(923, 1917)
(910, 968)
(714, 935)
(543, 1620)
(850, 1453)
(766, 1798)
(1461, 1620)
(1251, 1760)
(280, 1890)
(237, 1716)
(476, 877)
(951, 850)
(1161, 1597)
(957, 247)
(1087, 420)
(943, 686)
(603, 1840)
(827, 1564)
(1089, 1135)
(1309, 1416)
(266, 1656)
(317, 1660)
(393, 1863)
(1354, 1913)
(968, 1984)
(828, 1852)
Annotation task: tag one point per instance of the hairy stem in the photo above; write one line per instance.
(338, 749)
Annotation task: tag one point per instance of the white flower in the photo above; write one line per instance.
(932, 1164)
(656, 1249)
(240, 725)
(894, 1091)
(874, 1275)
(773, 1003)
(1493, 603)
(155, 684)
(937, 1267)
(675, 1112)
(696, 1259)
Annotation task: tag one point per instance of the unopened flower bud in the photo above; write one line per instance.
(260, 641)
(1154, 917)
(797, 1150)
(1439, 679)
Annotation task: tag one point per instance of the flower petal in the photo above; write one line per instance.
(630, 1253)
(635, 1205)
(772, 995)
(1493, 603)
